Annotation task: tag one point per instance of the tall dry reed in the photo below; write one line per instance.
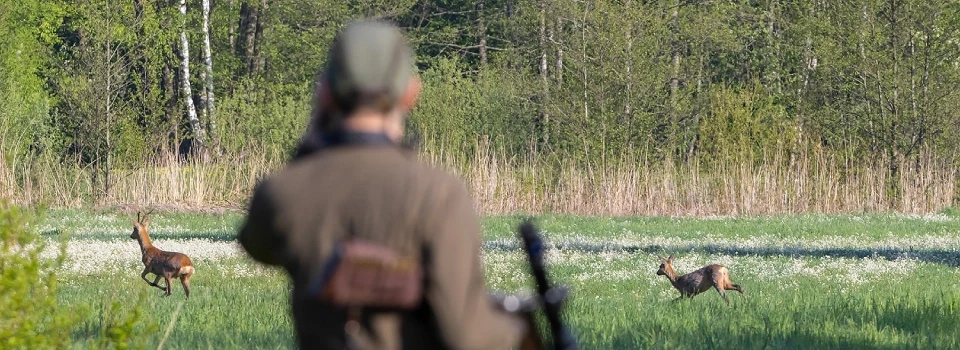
(504, 184)
(166, 182)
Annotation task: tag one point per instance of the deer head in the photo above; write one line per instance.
(666, 266)
(143, 220)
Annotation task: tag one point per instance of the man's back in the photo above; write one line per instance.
(382, 194)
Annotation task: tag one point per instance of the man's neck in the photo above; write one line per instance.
(368, 122)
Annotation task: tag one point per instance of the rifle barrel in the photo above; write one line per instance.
(552, 296)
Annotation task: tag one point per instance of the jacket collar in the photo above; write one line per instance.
(345, 137)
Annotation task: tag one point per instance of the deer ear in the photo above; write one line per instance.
(670, 258)
(146, 222)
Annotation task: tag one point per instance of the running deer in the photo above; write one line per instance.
(699, 281)
(169, 265)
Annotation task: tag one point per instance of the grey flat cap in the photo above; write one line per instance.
(369, 59)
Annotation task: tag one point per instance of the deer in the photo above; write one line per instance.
(169, 265)
(699, 281)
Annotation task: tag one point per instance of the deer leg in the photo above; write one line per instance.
(185, 281)
(143, 275)
(167, 279)
(735, 287)
(156, 283)
(723, 293)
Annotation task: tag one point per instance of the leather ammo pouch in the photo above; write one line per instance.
(365, 274)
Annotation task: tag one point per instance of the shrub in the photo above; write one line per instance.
(29, 316)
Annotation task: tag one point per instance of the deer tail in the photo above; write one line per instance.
(186, 270)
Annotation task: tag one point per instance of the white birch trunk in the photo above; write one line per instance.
(629, 106)
(208, 78)
(483, 34)
(109, 66)
(583, 65)
(543, 72)
(558, 73)
(233, 42)
(185, 68)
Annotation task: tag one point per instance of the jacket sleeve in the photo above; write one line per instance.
(259, 236)
(466, 316)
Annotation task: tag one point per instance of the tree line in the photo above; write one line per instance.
(109, 84)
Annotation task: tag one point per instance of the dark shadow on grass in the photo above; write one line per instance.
(213, 236)
(216, 236)
(944, 257)
(717, 339)
(918, 320)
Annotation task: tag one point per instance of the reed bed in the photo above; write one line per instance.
(503, 184)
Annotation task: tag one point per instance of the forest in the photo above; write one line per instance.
(585, 107)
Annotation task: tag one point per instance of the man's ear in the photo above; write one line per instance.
(324, 95)
(411, 94)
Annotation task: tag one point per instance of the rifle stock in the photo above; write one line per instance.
(552, 297)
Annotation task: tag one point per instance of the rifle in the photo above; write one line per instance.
(552, 297)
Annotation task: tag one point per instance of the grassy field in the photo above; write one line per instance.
(841, 282)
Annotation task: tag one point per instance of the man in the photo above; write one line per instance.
(351, 179)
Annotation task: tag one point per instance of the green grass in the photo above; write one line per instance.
(824, 282)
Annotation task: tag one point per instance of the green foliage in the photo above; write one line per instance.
(742, 125)
(27, 29)
(456, 111)
(621, 80)
(950, 211)
(273, 122)
(120, 323)
(30, 315)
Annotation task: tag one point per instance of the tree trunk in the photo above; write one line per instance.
(483, 33)
(628, 101)
(259, 58)
(208, 77)
(775, 39)
(863, 59)
(232, 31)
(185, 78)
(694, 129)
(109, 100)
(810, 64)
(894, 114)
(675, 78)
(545, 98)
(583, 66)
(424, 12)
(913, 77)
(170, 107)
(558, 72)
(251, 17)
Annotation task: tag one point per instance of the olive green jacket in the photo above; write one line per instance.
(382, 193)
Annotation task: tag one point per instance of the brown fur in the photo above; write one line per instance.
(169, 265)
(699, 281)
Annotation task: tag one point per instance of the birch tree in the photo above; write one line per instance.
(208, 76)
(674, 75)
(195, 126)
(628, 108)
(544, 114)
(482, 29)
